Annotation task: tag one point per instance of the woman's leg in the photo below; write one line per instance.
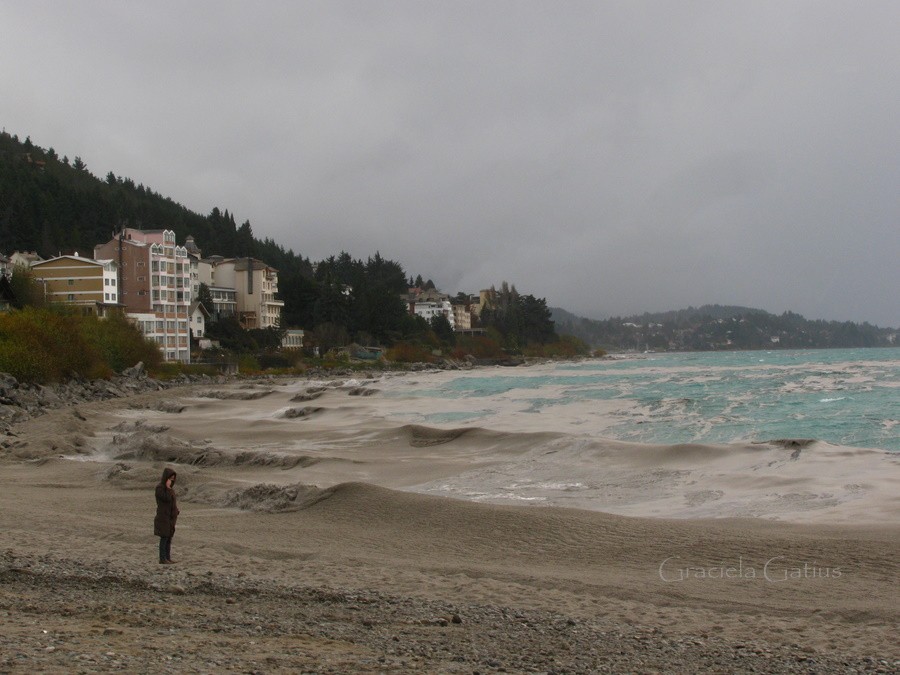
(169, 548)
(165, 543)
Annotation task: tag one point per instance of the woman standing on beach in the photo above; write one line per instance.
(166, 515)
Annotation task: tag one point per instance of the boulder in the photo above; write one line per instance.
(137, 370)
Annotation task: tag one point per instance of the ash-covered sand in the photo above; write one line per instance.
(296, 552)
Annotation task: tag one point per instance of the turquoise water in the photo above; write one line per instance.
(846, 397)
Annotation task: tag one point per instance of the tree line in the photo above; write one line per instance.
(721, 327)
(52, 205)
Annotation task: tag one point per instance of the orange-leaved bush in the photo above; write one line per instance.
(49, 345)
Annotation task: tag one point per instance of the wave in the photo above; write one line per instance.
(148, 445)
(278, 454)
(235, 395)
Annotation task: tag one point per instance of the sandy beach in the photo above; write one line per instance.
(309, 541)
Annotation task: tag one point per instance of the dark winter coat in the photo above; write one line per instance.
(166, 507)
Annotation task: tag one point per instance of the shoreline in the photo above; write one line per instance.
(333, 584)
(101, 617)
(360, 578)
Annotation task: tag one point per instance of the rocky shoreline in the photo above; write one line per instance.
(21, 401)
(77, 616)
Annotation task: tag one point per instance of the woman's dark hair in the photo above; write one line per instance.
(166, 475)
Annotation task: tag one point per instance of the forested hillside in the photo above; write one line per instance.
(52, 205)
(714, 327)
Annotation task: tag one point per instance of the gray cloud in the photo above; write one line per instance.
(615, 157)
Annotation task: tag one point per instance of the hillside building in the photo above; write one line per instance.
(429, 304)
(154, 278)
(254, 284)
(89, 284)
(462, 317)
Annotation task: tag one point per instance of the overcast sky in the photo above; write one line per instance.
(613, 157)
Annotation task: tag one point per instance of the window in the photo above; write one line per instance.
(71, 282)
(71, 297)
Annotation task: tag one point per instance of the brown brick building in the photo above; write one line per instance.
(154, 286)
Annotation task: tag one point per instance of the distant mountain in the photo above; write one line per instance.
(719, 327)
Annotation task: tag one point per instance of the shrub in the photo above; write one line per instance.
(46, 345)
(121, 343)
(40, 345)
(405, 352)
(481, 347)
(270, 361)
(248, 365)
(566, 347)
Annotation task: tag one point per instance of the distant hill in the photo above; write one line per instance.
(719, 327)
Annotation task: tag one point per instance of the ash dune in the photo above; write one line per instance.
(352, 496)
(343, 437)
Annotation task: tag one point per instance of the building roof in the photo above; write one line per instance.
(196, 304)
(191, 246)
(431, 295)
(241, 264)
(79, 258)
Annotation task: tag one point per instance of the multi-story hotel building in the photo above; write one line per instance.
(155, 283)
(224, 299)
(462, 317)
(429, 304)
(89, 284)
(255, 284)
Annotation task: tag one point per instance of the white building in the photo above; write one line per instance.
(429, 304)
(198, 317)
(293, 339)
(154, 278)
